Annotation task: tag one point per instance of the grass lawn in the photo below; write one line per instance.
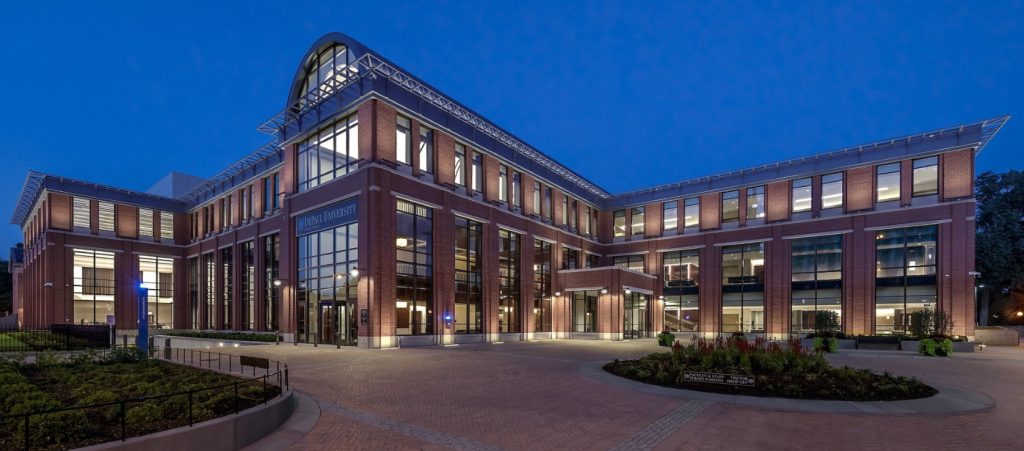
(88, 380)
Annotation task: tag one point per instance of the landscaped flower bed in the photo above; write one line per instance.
(87, 379)
(786, 371)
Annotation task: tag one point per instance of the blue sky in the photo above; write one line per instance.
(124, 94)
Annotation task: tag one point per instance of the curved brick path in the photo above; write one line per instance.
(533, 396)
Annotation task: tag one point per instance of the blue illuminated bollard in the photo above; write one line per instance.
(142, 338)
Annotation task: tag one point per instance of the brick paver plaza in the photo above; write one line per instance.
(534, 396)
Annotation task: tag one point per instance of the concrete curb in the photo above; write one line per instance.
(949, 400)
(303, 419)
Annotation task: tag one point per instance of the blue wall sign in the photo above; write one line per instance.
(327, 217)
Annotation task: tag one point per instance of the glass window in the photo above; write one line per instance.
(565, 209)
(570, 258)
(503, 183)
(573, 213)
(905, 278)
(81, 214)
(547, 203)
(633, 262)
(926, 176)
(888, 182)
(227, 262)
(326, 155)
(106, 216)
(541, 286)
(832, 190)
(414, 246)
(208, 316)
(468, 276)
(755, 202)
(426, 155)
(586, 220)
(816, 273)
(801, 195)
(166, 225)
(271, 272)
(403, 140)
(508, 282)
(460, 164)
(157, 276)
(584, 311)
(668, 217)
(743, 288)
(193, 293)
(536, 198)
(681, 270)
(730, 206)
(247, 285)
(478, 172)
(517, 191)
(145, 222)
(326, 71)
(619, 222)
(326, 291)
(591, 261)
(94, 288)
(638, 222)
(634, 319)
(691, 212)
(681, 313)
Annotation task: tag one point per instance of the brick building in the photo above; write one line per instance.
(384, 213)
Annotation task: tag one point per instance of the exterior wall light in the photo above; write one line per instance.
(558, 293)
(604, 291)
(1020, 313)
(277, 282)
(354, 272)
(628, 291)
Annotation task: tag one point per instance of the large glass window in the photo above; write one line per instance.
(426, 151)
(573, 212)
(478, 172)
(81, 216)
(926, 176)
(691, 212)
(730, 206)
(156, 274)
(887, 181)
(637, 221)
(106, 216)
(209, 319)
(536, 198)
(633, 262)
(468, 276)
(541, 286)
(669, 219)
(801, 195)
(271, 270)
(905, 280)
(619, 222)
(584, 311)
(93, 273)
(817, 279)
(743, 288)
(517, 189)
(755, 203)
(247, 285)
(682, 284)
(591, 260)
(635, 308)
(503, 183)
(414, 248)
(403, 140)
(193, 293)
(570, 258)
(327, 69)
(547, 203)
(508, 282)
(325, 261)
(460, 164)
(145, 222)
(832, 190)
(227, 264)
(328, 154)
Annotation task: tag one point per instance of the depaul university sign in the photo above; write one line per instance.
(327, 217)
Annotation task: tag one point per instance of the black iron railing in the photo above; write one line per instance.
(59, 337)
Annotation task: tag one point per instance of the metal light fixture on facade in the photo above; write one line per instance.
(628, 291)
(604, 291)
(558, 293)
(402, 242)
(354, 272)
(277, 282)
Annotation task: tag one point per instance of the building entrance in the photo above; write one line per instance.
(337, 323)
(635, 322)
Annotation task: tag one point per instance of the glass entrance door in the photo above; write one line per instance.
(337, 324)
(635, 317)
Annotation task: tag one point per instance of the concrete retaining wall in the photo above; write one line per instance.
(226, 433)
(997, 336)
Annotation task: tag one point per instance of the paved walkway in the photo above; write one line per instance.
(535, 396)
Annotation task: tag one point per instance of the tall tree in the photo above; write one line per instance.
(1000, 241)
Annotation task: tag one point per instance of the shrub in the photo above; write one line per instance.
(826, 323)
(243, 336)
(930, 322)
(666, 338)
(942, 347)
(926, 347)
(826, 344)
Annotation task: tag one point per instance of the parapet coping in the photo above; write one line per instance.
(949, 400)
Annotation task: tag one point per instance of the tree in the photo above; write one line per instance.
(999, 253)
(6, 288)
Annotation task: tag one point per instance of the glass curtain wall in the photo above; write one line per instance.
(584, 311)
(743, 288)
(817, 280)
(328, 154)
(681, 290)
(633, 262)
(94, 286)
(541, 286)
(508, 282)
(326, 290)
(210, 299)
(193, 293)
(634, 320)
(905, 277)
(156, 274)
(414, 247)
(227, 263)
(247, 286)
(468, 276)
(271, 270)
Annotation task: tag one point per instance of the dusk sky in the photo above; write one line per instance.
(124, 94)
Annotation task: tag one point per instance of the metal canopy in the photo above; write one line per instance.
(225, 178)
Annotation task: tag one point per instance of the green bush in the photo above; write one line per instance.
(826, 323)
(942, 347)
(926, 347)
(779, 370)
(666, 338)
(826, 344)
(241, 336)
